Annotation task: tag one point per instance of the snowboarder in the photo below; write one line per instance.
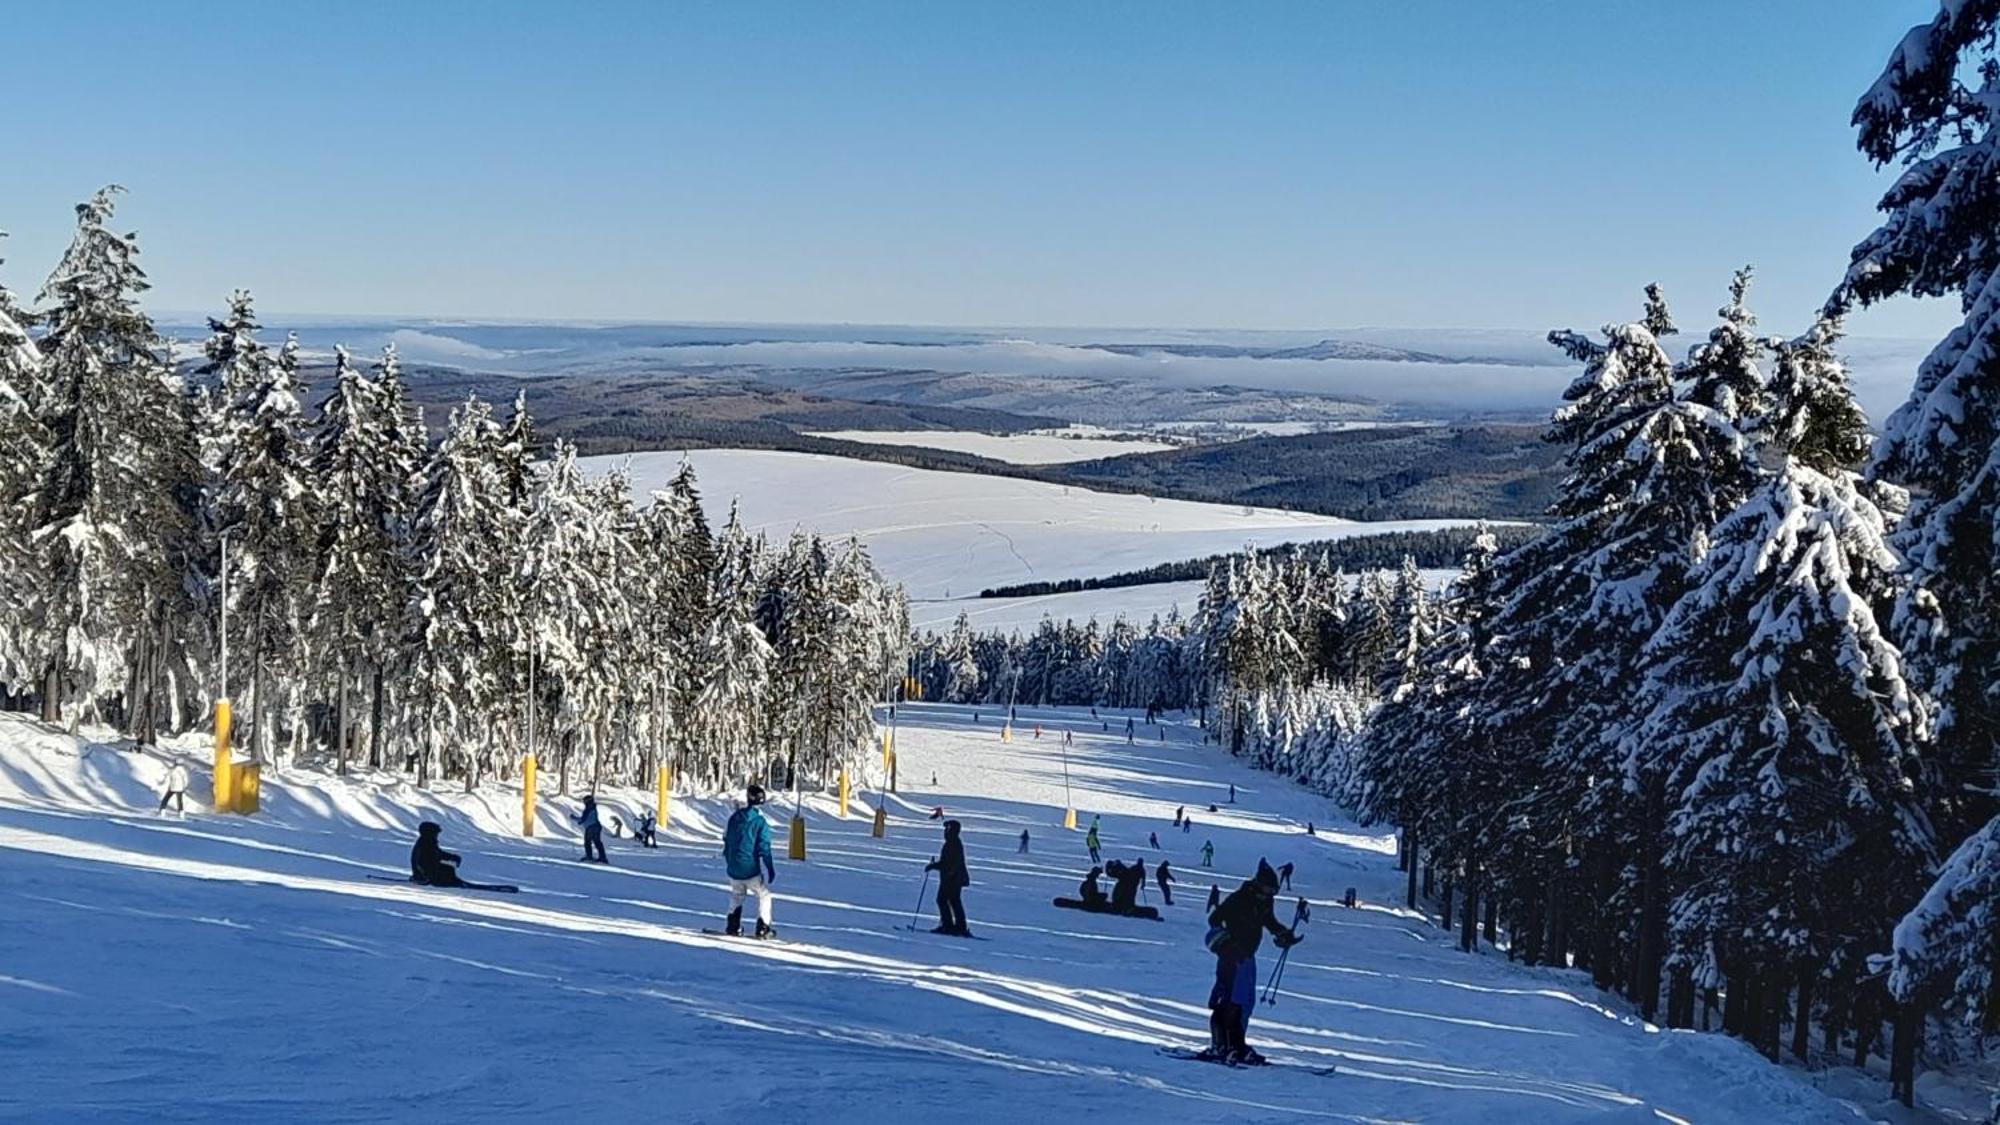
(593, 831)
(1088, 890)
(1024, 842)
(175, 789)
(1236, 929)
(430, 864)
(1285, 875)
(952, 881)
(746, 851)
(1214, 895)
(1232, 792)
(1154, 838)
(1090, 842)
(1126, 879)
(1164, 876)
(1208, 853)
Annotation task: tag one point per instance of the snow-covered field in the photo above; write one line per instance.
(270, 968)
(1038, 448)
(944, 534)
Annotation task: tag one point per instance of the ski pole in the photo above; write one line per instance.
(1299, 915)
(919, 909)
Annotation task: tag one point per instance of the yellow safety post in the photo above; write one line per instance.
(881, 827)
(1006, 732)
(798, 849)
(844, 792)
(666, 793)
(892, 771)
(1069, 819)
(246, 789)
(220, 801)
(528, 795)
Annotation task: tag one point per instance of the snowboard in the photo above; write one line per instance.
(500, 888)
(1135, 912)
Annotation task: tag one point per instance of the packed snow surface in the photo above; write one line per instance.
(946, 534)
(273, 968)
(1038, 448)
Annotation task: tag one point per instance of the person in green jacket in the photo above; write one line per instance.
(1090, 841)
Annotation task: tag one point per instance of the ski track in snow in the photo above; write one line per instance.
(248, 969)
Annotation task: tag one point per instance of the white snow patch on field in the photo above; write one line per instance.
(1038, 448)
(947, 534)
(274, 968)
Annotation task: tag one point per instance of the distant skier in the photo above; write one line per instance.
(1214, 895)
(937, 812)
(648, 830)
(593, 831)
(1128, 730)
(1187, 825)
(1285, 876)
(1154, 838)
(1236, 929)
(1164, 876)
(934, 779)
(175, 789)
(1180, 814)
(953, 878)
(746, 851)
(1090, 841)
(1024, 843)
(1208, 853)
(1069, 739)
(1232, 792)
(1309, 829)
(430, 864)
(1038, 730)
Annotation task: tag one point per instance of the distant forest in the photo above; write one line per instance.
(1386, 550)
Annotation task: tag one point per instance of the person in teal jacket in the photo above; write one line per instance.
(746, 852)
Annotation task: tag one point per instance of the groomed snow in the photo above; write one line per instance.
(227, 969)
(1038, 448)
(947, 534)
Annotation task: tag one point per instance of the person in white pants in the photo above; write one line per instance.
(746, 850)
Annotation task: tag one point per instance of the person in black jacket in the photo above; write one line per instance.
(953, 878)
(1126, 879)
(1164, 875)
(430, 864)
(1237, 929)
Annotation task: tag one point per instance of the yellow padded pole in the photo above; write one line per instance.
(665, 794)
(528, 795)
(798, 849)
(223, 795)
(844, 792)
(1069, 819)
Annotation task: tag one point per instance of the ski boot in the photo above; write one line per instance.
(734, 926)
(765, 931)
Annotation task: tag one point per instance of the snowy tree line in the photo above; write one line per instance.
(427, 606)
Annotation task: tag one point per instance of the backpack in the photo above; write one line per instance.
(1217, 940)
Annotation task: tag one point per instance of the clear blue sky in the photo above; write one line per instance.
(1497, 163)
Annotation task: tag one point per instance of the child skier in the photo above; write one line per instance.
(1236, 929)
(1154, 838)
(746, 852)
(430, 864)
(953, 878)
(593, 831)
(1090, 841)
(176, 789)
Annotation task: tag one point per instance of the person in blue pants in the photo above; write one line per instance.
(1236, 928)
(593, 831)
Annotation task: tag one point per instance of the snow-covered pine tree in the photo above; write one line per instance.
(265, 511)
(24, 457)
(112, 521)
(1932, 109)
(1780, 727)
(735, 668)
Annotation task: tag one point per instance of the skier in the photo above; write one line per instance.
(1128, 730)
(1187, 825)
(593, 830)
(1154, 837)
(1164, 876)
(1285, 875)
(746, 850)
(1090, 841)
(1208, 853)
(430, 864)
(1236, 929)
(1038, 730)
(1069, 739)
(1180, 814)
(648, 830)
(1309, 829)
(1214, 895)
(176, 789)
(1232, 792)
(1024, 842)
(952, 881)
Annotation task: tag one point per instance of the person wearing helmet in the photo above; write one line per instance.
(430, 864)
(746, 852)
(1236, 929)
(953, 878)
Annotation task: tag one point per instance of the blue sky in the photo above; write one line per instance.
(1497, 164)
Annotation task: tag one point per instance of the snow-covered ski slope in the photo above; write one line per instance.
(251, 970)
(947, 535)
(1038, 448)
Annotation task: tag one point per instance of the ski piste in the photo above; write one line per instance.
(498, 888)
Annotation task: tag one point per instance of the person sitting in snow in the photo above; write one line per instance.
(1089, 891)
(1126, 879)
(593, 830)
(1237, 928)
(430, 864)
